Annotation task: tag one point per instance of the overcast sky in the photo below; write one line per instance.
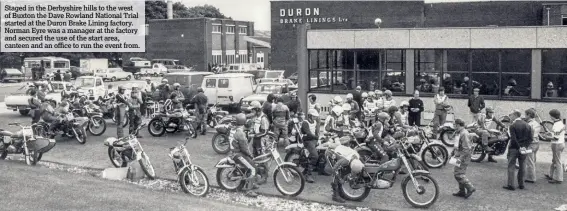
(257, 11)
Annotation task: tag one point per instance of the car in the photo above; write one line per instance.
(19, 101)
(91, 86)
(264, 89)
(114, 74)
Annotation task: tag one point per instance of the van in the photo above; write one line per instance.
(189, 82)
(218, 88)
(242, 67)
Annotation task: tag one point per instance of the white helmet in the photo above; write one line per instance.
(364, 94)
(337, 110)
(378, 92)
(338, 100)
(371, 94)
(313, 112)
(404, 103)
(346, 107)
(356, 166)
(349, 96)
(388, 93)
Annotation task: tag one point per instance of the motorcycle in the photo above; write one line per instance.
(73, 127)
(298, 154)
(221, 139)
(295, 130)
(163, 122)
(188, 173)
(215, 115)
(124, 150)
(126, 117)
(228, 171)
(95, 121)
(498, 141)
(383, 176)
(27, 142)
(447, 133)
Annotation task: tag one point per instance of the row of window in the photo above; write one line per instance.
(230, 29)
(230, 59)
(497, 73)
(212, 83)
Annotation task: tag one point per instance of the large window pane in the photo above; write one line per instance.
(456, 83)
(554, 85)
(394, 81)
(395, 56)
(368, 59)
(554, 61)
(457, 61)
(316, 82)
(516, 85)
(368, 80)
(488, 83)
(428, 82)
(519, 61)
(344, 80)
(428, 66)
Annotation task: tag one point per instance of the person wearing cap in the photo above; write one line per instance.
(122, 103)
(134, 111)
(415, 109)
(267, 107)
(441, 103)
(462, 152)
(521, 135)
(388, 99)
(149, 87)
(164, 89)
(531, 159)
(259, 130)
(476, 104)
(309, 130)
(344, 157)
(557, 138)
(485, 122)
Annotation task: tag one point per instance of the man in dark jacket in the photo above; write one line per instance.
(267, 107)
(520, 137)
(201, 101)
(415, 109)
(357, 96)
(476, 104)
(67, 76)
(242, 154)
(57, 76)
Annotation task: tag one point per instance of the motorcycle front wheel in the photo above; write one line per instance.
(478, 154)
(147, 166)
(191, 132)
(194, 182)
(80, 134)
(156, 127)
(448, 137)
(220, 143)
(116, 158)
(421, 190)
(226, 176)
(435, 156)
(288, 174)
(32, 158)
(296, 158)
(97, 123)
(346, 191)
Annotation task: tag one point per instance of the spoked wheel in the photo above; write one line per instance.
(352, 191)
(97, 126)
(296, 158)
(220, 143)
(80, 134)
(448, 137)
(32, 158)
(191, 132)
(171, 127)
(435, 156)
(116, 158)
(423, 186)
(230, 179)
(287, 175)
(156, 127)
(124, 122)
(194, 182)
(478, 154)
(147, 166)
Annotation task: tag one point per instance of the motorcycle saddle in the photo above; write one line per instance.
(6, 133)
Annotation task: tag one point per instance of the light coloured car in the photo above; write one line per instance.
(114, 74)
(264, 89)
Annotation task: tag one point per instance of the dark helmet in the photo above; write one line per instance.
(200, 89)
(271, 97)
(279, 100)
(121, 87)
(173, 96)
(393, 109)
(240, 119)
(313, 97)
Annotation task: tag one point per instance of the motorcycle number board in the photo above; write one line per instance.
(27, 131)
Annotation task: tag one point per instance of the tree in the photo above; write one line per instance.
(208, 11)
(156, 10)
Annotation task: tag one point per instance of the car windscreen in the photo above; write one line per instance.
(268, 89)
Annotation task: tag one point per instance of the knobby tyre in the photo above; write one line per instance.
(350, 196)
(116, 158)
(229, 173)
(478, 154)
(156, 127)
(147, 166)
(101, 124)
(437, 152)
(447, 138)
(293, 174)
(185, 181)
(426, 178)
(220, 143)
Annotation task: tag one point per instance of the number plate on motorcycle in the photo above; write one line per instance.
(27, 131)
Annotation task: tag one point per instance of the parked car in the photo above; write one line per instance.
(114, 74)
(90, 86)
(19, 101)
(220, 87)
(11, 74)
(264, 89)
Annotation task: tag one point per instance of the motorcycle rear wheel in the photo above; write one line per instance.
(478, 154)
(219, 142)
(437, 151)
(221, 179)
(352, 197)
(156, 132)
(445, 137)
(101, 123)
(185, 181)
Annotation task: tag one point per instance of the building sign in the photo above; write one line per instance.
(307, 15)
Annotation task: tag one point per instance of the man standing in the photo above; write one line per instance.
(531, 159)
(134, 110)
(415, 109)
(57, 76)
(201, 102)
(268, 106)
(476, 104)
(441, 103)
(121, 104)
(67, 76)
(309, 130)
(35, 104)
(281, 116)
(355, 107)
(557, 138)
(357, 95)
(521, 135)
(462, 152)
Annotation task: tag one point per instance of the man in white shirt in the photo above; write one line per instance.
(557, 138)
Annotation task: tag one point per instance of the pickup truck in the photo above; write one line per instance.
(157, 69)
(19, 101)
(91, 86)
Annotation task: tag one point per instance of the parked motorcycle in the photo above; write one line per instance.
(96, 124)
(546, 125)
(124, 150)
(163, 122)
(191, 177)
(26, 141)
(215, 115)
(298, 154)
(231, 176)
(73, 127)
(383, 176)
(221, 139)
(498, 141)
(447, 133)
(126, 120)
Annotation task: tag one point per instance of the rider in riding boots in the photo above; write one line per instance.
(281, 116)
(462, 152)
(259, 130)
(201, 101)
(379, 132)
(345, 157)
(242, 154)
(484, 123)
(310, 136)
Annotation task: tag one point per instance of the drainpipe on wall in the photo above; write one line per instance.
(548, 15)
(169, 9)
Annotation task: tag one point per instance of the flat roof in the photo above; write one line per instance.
(230, 75)
(429, 28)
(190, 73)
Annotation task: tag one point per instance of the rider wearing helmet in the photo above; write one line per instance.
(121, 104)
(364, 96)
(485, 123)
(259, 130)
(310, 136)
(337, 101)
(241, 153)
(201, 101)
(331, 120)
(354, 106)
(177, 90)
(370, 108)
(345, 157)
(380, 130)
(164, 89)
